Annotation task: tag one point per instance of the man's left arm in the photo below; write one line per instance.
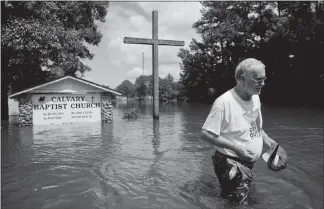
(267, 140)
(270, 143)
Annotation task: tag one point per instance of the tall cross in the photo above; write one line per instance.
(154, 42)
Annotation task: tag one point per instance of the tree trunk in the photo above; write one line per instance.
(4, 85)
(222, 51)
(4, 100)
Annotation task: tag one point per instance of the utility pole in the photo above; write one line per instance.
(143, 62)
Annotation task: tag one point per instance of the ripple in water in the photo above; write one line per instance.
(145, 164)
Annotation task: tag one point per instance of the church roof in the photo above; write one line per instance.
(80, 80)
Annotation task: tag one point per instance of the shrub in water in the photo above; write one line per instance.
(130, 115)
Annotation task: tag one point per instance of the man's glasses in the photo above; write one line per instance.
(259, 80)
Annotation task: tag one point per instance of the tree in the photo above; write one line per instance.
(165, 88)
(287, 36)
(144, 85)
(168, 88)
(126, 88)
(43, 40)
(169, 79)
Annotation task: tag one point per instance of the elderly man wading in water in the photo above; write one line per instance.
(234, 126)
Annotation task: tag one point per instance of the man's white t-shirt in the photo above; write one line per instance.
(236, 120)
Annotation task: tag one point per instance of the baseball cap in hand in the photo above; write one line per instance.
(276, 159)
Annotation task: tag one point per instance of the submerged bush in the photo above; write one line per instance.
(130, 115)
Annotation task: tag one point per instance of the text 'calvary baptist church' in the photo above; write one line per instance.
(58, 105)
(65, 100)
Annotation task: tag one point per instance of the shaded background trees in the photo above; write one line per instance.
(287, 36)
(143, 86)
(127, 89)
(42, 40)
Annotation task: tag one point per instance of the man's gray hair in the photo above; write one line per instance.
(245, 67)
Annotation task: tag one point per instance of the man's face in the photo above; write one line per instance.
(254, 81)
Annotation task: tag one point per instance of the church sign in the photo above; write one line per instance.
(66, 108)
(65, 100)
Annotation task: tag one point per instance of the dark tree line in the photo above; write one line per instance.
(43, 40)
(287, 36)
(143, 86)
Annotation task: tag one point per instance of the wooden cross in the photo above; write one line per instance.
(154, 42)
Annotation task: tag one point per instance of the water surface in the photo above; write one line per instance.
(148, 163)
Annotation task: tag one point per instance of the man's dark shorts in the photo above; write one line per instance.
(234, 176)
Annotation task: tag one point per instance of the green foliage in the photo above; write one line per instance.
(42, 40)
(166, 88)
(48, 37)
(143, 86)
(133, 114)
(126, 88)
(269, 31)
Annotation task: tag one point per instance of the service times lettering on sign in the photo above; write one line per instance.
(59, 109)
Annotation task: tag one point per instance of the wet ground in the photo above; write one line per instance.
(146, 163)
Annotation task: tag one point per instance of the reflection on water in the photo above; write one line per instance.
(148, 163)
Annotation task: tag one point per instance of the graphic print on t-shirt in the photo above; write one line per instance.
(253, 118)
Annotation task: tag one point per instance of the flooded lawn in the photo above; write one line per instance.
(146, 163)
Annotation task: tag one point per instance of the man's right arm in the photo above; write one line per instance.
(219, 142)
(213, 125)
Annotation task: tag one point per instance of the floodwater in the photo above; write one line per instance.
(146, 163)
